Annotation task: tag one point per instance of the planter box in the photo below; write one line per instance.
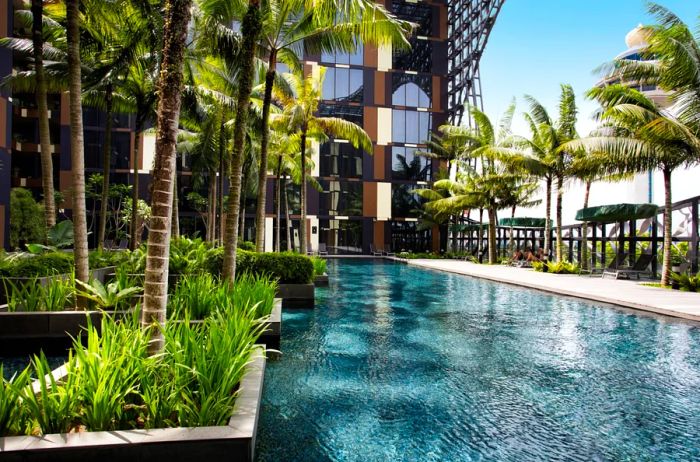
(321, 281)
(296, 295)
(235, 441)
(50, 331)
(99, 273)
(271, 336)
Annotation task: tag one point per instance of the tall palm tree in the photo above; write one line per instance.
(80, 236)
(153, 316)
(642, 138)
(299, 116)
(43, 113)
(546, 159)
(291, 28)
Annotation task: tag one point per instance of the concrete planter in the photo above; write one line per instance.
(98, 273)
(50, 331)
(296, 295)
(271, 336)
(321, 281)
(235, 441)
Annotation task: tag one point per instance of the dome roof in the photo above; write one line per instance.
(637, 37)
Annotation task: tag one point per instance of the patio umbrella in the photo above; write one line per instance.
(616, 213)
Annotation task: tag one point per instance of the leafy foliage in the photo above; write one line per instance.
(686, 282)
(26, 218)
(37, 265)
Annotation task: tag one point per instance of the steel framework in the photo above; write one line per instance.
(469, 25)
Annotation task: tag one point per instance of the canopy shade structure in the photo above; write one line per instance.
(617, 212)
(462, 227)
(523, 222)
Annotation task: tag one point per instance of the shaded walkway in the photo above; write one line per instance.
(628, 294)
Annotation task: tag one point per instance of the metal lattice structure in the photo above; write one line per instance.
(470, 24)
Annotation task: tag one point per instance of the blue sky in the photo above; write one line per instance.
(538, 44)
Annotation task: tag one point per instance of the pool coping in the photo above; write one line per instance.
(687, 305)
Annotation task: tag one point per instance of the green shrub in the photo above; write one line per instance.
(38, 265)
(686, 282)
(105, 258)
(246, 245)
(285, 267)
(57, 295)
(26, 218)
(320, 265)
(559, 267)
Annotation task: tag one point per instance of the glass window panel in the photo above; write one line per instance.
(327, 57)
(356, 85)
(424, 129)
(398, 125)
(412, 127)
(342, 84)
(329, 84)
(357, 58)
(411, 94)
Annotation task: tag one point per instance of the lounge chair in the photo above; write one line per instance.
(123, 244)
(322, 250)
(310, 250)
(641, 266)
(375, 252)
(616, 263)
(388, 251)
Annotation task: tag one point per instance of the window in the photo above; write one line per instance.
(341, 198)
(411, 90)
(341, 159)
(410, 126)
(406, 165)
(418, 58)
(417, 13)
(341, 236)
(405, 203)
(407, 237)
(344, 111)
(342, 85)
(355, 58)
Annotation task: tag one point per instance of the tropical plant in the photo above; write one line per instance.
(687, 282)
(177, 16)
(106, 296)
(26, 218)
(299, 117)
(320, 265)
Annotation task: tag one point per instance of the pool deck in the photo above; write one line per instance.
(625, 293)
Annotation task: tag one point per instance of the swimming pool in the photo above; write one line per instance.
(402, 363)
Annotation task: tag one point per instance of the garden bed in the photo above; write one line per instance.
(271, 336)
(297, 295)
(235, 441)
(321, 280)
(28, 332)
(100, 274)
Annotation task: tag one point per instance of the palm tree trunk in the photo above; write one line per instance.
(43, 113)
(560, 199)
(135, 190)
(106, 161)
(511, 247)
(214, 196)
(250, 29)
(80, 252)
(287, 221)
(479, 234)
(241, 215)
(278, 190)
(584, 229)
(264, 138)
(668, 228)
(155, 294)
(492, 237)
(175, 224)
(302, 224)
(222, 174)
(548, 218)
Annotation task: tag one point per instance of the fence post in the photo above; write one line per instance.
(655, 245)
(695, 222)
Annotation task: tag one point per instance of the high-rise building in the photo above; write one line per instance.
(366, 198)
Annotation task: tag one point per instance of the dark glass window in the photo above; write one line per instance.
(418, 58)
(405, 203)
(407, 237)
(341, 198)
(411, 90)
(119, 157)
(406, 165)
(410, 126)
(343, 84)
(350, 113)
(341, 159)
(355, 58)
(341, 236)
(417, 13)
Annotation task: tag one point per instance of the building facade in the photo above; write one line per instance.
(366, 199)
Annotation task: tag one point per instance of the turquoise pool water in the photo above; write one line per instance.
(398, 363)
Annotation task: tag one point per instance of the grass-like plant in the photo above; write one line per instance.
(320, 265)
(11, 422)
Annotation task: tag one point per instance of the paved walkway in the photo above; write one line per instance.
(629, 294)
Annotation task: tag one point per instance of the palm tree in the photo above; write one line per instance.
(519, 194)
(642, 138)
(153, 316)
(43, 113)
(291, 28)
(299, 116)
(546, 159)
(76, 142)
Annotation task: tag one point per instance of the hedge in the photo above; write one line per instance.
(286, 267)
(38, 265)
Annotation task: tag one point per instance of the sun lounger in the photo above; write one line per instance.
(375, 252)
(388, 251)
(322, 250)
(641, 266)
